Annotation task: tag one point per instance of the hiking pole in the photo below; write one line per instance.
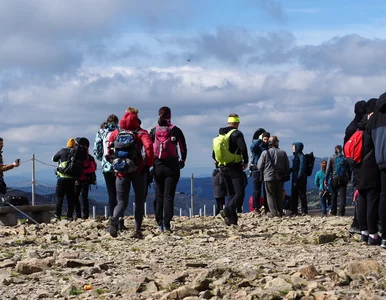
(11, 205)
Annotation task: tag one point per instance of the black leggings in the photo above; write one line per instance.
(166, 179)
(111, 190)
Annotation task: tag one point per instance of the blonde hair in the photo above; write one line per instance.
(132, 110)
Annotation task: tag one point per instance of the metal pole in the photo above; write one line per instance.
(33, 180)
(93, 213)
(106, 215)
(214, 210)
(180, 212)
(190, 212)
(145, 208)
(204, 210)
(192, 194)
(199, 212)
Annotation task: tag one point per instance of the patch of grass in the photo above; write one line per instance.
(100, 291)
(283, 292)
(134, 249)
(8, 254)
(75, 292)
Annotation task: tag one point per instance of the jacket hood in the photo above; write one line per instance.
(129, 121)
(257, 133)
(110, 126)
(225, 130)
(360, 110)
(381, 103)
(371, 103)
(298, 147)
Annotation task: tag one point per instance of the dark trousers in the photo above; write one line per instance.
(368, 203)
(382, 204)
(220, 202)
(123, 184)
(298, 194)
(166, 179)
(111, 190)
(65, 188)
(235, 182)
(338, 187)
(274, 191)
(81, 199)
(258, 186)
(325, 199)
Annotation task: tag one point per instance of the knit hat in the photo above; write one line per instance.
(70, 143)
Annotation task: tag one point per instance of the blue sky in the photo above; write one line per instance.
(295, 68)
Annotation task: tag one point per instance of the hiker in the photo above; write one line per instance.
(4, 168)
(275, 165)
(338, 171)
(231, 154)
(125, 146)
(259, 144)
(366, 178)
(167, 165)
(360, 112)
(100, 153)
(82, 185)
(299, 180)
(65, 182)
(219, 189)
(324, 192)
(377, 129)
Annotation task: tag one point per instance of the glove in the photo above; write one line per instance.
(181, 164)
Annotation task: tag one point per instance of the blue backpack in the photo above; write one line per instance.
(341, 166)
(126, 154)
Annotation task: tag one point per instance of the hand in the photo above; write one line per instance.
(244, 166)
(16, 164)
(181, 164)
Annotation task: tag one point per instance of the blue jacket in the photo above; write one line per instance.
(319, 180)
(257, 147)
(299, 163)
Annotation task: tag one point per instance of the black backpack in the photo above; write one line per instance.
(310, 161)
(75, 160)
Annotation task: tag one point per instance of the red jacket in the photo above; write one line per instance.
(130, 122)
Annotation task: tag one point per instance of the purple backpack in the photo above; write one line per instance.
(165, 144)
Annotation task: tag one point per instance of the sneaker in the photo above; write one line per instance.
(224, 216)
(364, 238)
(375, 242)
(383, 244)
(160, 228)
(137, 235)
(354, 230)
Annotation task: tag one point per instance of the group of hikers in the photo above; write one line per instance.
(132, 156)
(360, 160)
(127, 152)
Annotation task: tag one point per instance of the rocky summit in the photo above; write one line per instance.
(305, 257)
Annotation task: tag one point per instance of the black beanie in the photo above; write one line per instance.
(266, 134)
(83, 141)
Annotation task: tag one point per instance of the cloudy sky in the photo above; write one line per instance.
(295, 68)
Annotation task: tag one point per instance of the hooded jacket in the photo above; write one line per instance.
(299, 163)
(360, 111)
(130, 122)
(377, 129)
(102, 136)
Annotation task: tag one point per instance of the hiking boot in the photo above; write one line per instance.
(383, 244)
(375, 242)
(121, 225)
(168, 229)
(224, 216)
(364, 238)
(137, 235)
(114, 227)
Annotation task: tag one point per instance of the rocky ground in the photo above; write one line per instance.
(263, 258)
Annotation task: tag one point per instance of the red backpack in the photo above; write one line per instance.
(165, 144)
(353, 149)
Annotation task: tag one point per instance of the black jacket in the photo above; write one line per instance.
(377, 130)
(360, 111)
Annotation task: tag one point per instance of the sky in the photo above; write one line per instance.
(295, 68)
